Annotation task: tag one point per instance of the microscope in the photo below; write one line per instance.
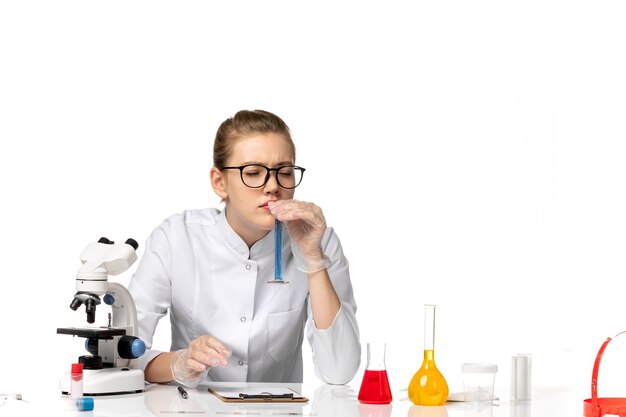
(113, 349)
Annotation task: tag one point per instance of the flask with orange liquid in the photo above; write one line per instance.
(428, 386)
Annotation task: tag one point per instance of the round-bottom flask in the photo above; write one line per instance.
(428, 386)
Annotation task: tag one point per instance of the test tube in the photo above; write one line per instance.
(278, 254)
(278, 250)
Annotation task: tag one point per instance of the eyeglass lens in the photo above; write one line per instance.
(256, 176)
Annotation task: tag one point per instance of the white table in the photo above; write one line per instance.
(325, 401)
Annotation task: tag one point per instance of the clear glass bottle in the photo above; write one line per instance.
(428, 386)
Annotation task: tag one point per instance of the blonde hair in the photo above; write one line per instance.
(247, 123)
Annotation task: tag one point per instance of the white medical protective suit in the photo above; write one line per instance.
(198, 268)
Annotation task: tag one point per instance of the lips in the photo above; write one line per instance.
(265, 205)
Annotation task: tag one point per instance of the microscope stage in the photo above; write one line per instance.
(93, 332)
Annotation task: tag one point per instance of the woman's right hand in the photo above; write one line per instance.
(204, 352)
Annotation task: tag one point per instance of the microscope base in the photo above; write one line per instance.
(108, 381)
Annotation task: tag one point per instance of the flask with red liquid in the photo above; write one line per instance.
(375, 386)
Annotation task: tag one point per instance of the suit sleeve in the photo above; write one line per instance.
(336, 350)
(150, 287)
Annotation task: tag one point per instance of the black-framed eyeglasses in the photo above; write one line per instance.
(256, 176)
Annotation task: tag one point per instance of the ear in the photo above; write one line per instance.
(218, 182)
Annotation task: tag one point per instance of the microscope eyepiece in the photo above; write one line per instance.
(75, 304)
(132, 242)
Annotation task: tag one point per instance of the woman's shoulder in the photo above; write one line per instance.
(187, 218)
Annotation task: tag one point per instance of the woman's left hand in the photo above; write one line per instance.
(306, 224)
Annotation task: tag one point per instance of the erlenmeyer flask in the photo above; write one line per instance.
(428, 386)
(375, 386)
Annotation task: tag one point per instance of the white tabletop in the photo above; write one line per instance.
(324, 401)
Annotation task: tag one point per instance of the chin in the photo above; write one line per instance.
(269, 225)
(267, 222)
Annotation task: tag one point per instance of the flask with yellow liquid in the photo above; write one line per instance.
(428, 386)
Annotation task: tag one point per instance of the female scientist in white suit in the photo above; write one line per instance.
(211, 268)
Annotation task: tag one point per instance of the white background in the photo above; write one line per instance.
(468, 153)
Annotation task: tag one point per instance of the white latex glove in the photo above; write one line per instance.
(189, 365)
(306, 225)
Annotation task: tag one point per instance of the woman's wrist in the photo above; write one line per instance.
(313, 264)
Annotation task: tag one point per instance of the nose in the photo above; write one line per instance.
(271, 186)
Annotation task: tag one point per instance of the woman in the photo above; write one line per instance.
(211, 269)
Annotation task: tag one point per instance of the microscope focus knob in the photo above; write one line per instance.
(91, 345)
(130, 347)
(108, 299)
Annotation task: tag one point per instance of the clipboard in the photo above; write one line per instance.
(258, 395)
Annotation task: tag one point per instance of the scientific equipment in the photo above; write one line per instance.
(84, 404)
(76, 387)
(597, 406)
(521, 372)
(428, 386)
(110, 367)
(478, 381)
(278, 254)
(375, 385)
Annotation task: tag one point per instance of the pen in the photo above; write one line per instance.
(183, 393)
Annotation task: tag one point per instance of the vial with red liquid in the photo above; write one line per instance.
(375, 386)
(76, 386)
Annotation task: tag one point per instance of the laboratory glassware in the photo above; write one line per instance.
(278, 254)
(521, 371)
(76, 385)
(428, 386)
(375, 385)
(478, 381)
(600, 406)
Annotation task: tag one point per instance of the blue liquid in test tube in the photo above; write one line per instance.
(278, 254)
(278, 251)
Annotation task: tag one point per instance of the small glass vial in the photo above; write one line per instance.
(76, 386)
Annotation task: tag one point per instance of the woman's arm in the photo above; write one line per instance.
(160, 368)
(334, 333)
(187, 366)
(324, 300)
